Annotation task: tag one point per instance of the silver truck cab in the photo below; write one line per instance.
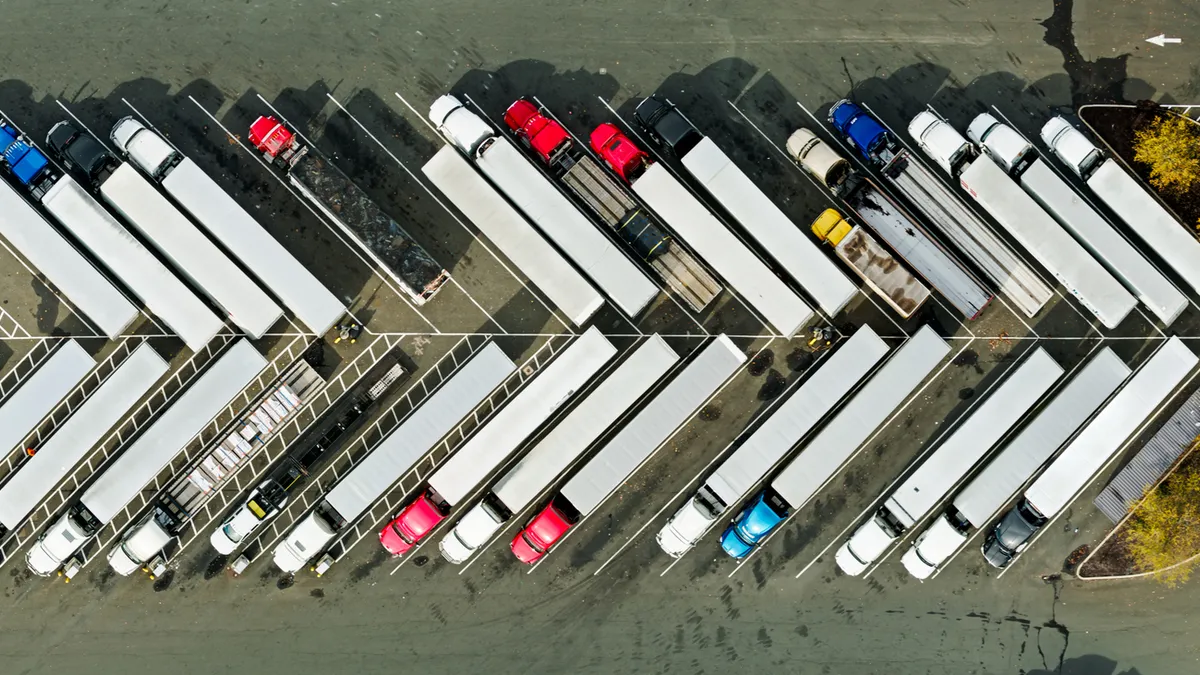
(688, 524)
(1004, 145)
(304, 542)
(144, 148)
(1072, 147)
(471, 532)
(466, 130)
(940, 141)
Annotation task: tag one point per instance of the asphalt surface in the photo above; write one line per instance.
(607, 600)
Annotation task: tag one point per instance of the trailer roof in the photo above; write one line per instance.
(40, 392)
(167, 435)
(64, 266)
(798, 415)
(585, 423)
(79, 434)
(506, 431)
(1109, 429)
(424, 427)
(259, 252)
(712, 241)
(150, 280)
(1053, 426)
(796, 253)
(622, 455)
(581, 240)
(513, 235)
(192, 253)
(859, 418)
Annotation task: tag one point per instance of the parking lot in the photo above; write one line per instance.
(356, 79)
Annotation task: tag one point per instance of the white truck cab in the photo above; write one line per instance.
(471, 532)
(305, 541)
(147, 150)
(686, 527)
(264, 501)
(1004, 145)
(1071, 146)
(933, 547)
(56, 544)
(865, 546)
(138, 547)
(466, 130)
(939, 140)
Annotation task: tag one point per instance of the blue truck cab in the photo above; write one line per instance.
(861, 130)
(23, 161)
(754, 523)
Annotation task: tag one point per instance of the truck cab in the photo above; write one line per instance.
(26, 163)
(56, 544)
(545, 136)
(304, 541)
(79, 151)
(264, 501)
(940, 141)
(868, 543)
(471, 532)
(144, 148)
(861, 130)
(1011, 535)
(754, 523)
(143, 542)
(818, 159)
(665, 124)
(413, 523)
(935, 544)
(1072, 147)
(622, 156)
(540, 534)
(689, 523)
(1004, 145)
(466, 130)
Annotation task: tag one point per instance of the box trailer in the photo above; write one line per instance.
(199, 195)
(1103, 436)
(72, 440)
(513, 235)
(392, 458)
(36, 397)
(559, 448)
(1016, 156)
(1016, 463)
(954, 456)
(504, 165)
(152, 450)
(766, 445)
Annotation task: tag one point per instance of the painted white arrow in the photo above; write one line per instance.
(1162, 40)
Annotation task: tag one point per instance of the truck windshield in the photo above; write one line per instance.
(532, 544)
(233, 534)
(400, 533)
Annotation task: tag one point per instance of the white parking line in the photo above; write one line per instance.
(358, 248)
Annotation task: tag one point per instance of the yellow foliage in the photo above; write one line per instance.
(1165, 528)
(1170, 145)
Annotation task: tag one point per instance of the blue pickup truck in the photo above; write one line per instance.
(761, 515)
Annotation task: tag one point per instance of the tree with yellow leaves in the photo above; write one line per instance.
(1170, 145)
(1165, 529)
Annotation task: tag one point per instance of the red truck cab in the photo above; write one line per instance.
(627, 159)
(270, 136)
(547, 137)
(540, 534)
(413, 523)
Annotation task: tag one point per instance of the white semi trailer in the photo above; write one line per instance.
(1016, 156)
(955, 455)
(1019, 460)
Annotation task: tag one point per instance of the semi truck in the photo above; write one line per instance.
(47, 249)
(1144, 215)
(1018, 157)
(114, 247)
(176, 238)
(1084, 456)
(769, 443)
(145, 544)
(501, 436)
(1022, 217)
(559, 448)
(903, 234)
(872, 263)
(392, 458)
(629, 448)
(775, 233)
(941, 208)
(71, 441)
(124, 478)
(342, 420)
(500, 222)
(954, 456)
(612, 204)
(504, 165)
(277, 269)
(781, 307)
(1019, 460)
(345, 204)
(822, 457)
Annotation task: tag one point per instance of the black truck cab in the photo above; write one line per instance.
(663, 121)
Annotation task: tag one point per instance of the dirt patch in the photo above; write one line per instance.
(1112, 559)
(760, 363)
(1117, 126)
